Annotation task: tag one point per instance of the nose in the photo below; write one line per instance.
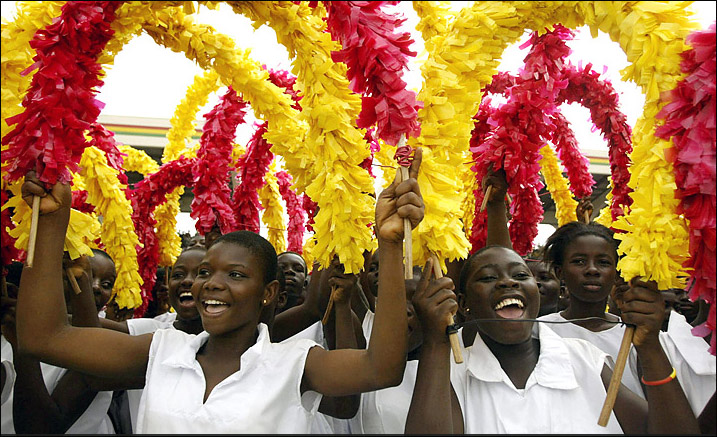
(507, 282)
(212, 283)
(95, 285)
(591, 268)
(187, 281)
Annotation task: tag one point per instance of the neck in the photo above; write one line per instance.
(231, 345)
(190, 326)
(517, 360)
(579, 309)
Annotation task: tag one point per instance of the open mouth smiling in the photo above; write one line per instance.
(214, 307)
(510, 308)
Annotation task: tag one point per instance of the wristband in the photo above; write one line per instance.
(672, 376)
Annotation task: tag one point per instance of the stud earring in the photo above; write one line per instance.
(264, 301)
(467, 310)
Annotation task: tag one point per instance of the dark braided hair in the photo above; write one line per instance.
(554, 250)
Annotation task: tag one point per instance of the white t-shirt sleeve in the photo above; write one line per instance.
(9, 381)
(145, 326)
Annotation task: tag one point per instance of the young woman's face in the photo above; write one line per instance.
(588, 268)
(548, 286)
(501, 286)
(229, 288)
(103, 279)
(183, 275)
(294, 269)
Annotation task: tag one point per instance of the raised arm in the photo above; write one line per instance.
(42, 328)
(349, 371)
(497, 223)
(434, 407)
(294, 320)
(668, 411)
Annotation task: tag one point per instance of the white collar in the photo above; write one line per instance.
(553, 370)
(186, 353)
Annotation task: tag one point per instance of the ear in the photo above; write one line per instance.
(461, 305)
(271, 290)
(558, 272)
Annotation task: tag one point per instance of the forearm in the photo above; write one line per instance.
(669, 412)
(115, 326)
(497, 225)
(430, 410)
(33, 410)
(41, 309)
(293, 321)
(388, 343)
(84, 311)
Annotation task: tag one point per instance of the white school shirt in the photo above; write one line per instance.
(323, 423)
(607, 341)
(263, 397)
(142, 326)
(563, 395)
(385, 411)
(367, 325)
(689, 355)
(93, 421)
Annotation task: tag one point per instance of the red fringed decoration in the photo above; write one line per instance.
(79, 202)
(374, 147)
(105, 141)
(212, 195)
(577, 166)
(478, 136)
(376, 56)
(7, 243)
(60, 104)
(149, 193)
(690, 122)
(253, 164)
(297, 216)
(310, 207)
(284, 79)
(586, 88)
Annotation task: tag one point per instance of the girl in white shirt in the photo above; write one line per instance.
(229, 378)
(518, 380)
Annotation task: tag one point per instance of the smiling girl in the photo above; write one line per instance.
(229, 378)
(519, 377)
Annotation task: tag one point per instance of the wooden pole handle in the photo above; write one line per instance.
(33, 231)
(485, 197)
(453, 336)
(329, 307)
(587, 217)
(73, 281)
(402, 175)
(616, 376)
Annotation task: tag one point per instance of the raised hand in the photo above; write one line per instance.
(643, 306)
(584, 210)
(59, 196)
(495, 179)
(434, 302)
(400, 201)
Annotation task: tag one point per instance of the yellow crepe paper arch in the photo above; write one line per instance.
(138, 161)
(557, 186)
(273, 216)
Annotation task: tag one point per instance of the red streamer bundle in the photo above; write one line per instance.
(374, 147)
(79, 201)
(310, 207)
(60, 104)
(690, 122)
(286, 80)
(376, 56)
(253, 166)
(479, 134)
(149, 193)
(212, 195)
(297, 216)
(104, 140)
(577, 165)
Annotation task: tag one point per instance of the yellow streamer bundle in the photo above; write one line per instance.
(339, 186)
(557, 185)
(117, 232)
(605, 216)
(138, 160)
(434, 21)
(273, 216)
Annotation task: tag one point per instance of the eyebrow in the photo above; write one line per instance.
(495, 266)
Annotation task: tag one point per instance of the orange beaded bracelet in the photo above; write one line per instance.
(672, 376)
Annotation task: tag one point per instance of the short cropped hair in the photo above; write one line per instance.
(554, 251)
(257, 245)
(467, 265)
(306, 268)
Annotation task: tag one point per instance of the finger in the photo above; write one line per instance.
(407, 186)
(426, 276)
(33, 188)
(416, 163)
(409, 198)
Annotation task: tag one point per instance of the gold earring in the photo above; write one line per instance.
(264, 301)
(468, 310)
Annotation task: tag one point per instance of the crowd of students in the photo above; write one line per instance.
(239, 339)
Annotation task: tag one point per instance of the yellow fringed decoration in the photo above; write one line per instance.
(339, 186)
(138, 160)
(468, 206)
(557, 185)
(82, 230)
(435, 20)
(307, 252)
(273, 216)
(179, 136)
(605, 216)
(117, 232)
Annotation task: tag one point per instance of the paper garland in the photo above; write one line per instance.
(294, 209)
(273, 216)
(252, 168)
(690, 122)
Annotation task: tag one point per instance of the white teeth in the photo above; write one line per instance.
(509, 301)
(214, 302)
(186, 294)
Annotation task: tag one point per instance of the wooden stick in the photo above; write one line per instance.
(485, 197)
(587, 217)
(33, 231)
(73, 281)
(329, 307)
(616, 376)
(166, 277)
(453, 336)
(407, 238)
